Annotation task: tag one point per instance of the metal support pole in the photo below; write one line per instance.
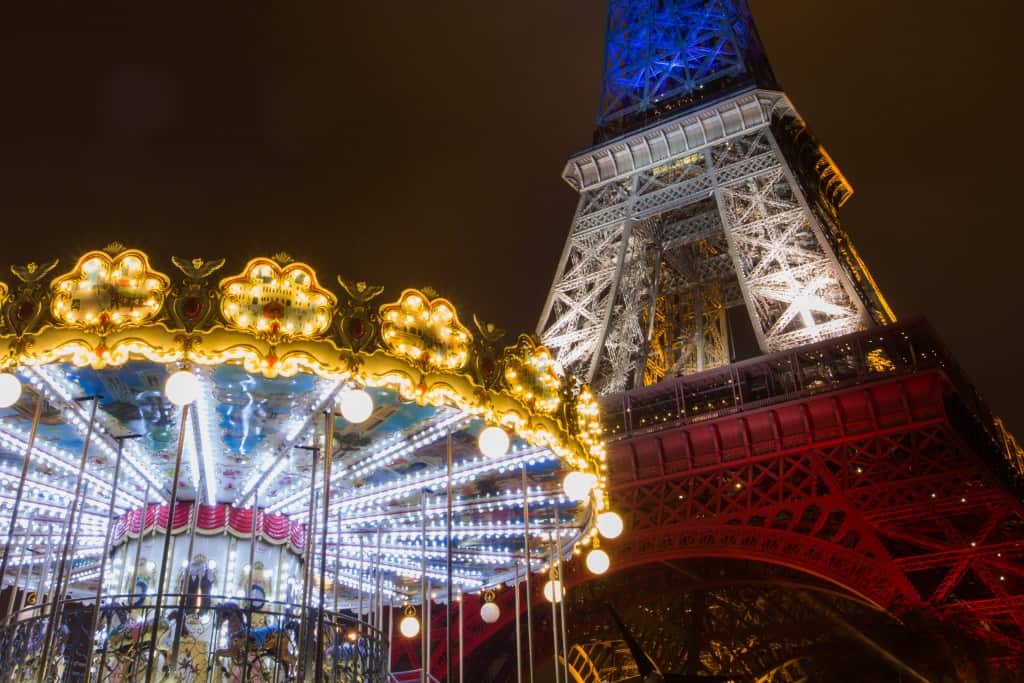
(424, 634)
(106, 544)
(21, 486)
(328, 452)
(304, 632)
(138, 546)
(561, 603)
(529, 568)
(179, 623)
(252, 569)
(462, 610)
(448, 645)
(519, 634)
(556, 595)
(167, 540)
(64, 569)
(337, 560)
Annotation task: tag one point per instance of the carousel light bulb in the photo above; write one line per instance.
(577, 485)
(609, 524)
(598, 561)
(10, 390)
(489, 612)
(356, 405)
(409, 626)
(553, 591)
(182, 388)
(493, 442)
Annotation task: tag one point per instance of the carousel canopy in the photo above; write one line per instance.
(280, 370)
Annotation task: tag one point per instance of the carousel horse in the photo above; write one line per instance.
(272, 641)
(127, 642)
(25, 646)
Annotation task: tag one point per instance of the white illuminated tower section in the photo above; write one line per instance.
(705, 195)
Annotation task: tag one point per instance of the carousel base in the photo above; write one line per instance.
(221, 640)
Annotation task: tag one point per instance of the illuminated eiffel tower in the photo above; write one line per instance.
(705, 196)
(794, 466)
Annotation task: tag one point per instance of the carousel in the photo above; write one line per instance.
(251, 477)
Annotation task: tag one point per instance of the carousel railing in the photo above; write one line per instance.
(205, 638)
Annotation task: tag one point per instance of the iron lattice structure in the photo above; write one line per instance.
(730, 203)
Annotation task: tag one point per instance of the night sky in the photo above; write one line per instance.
(411, 143)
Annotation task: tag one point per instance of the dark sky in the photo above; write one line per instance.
(413, 143)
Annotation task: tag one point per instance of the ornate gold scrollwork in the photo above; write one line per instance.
(277, 303)
(104, 293)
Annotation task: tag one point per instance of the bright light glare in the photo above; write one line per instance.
(356, 405)
(609, 524)
(598, 561)
(493, 442)
(10, 390)
(409, 626)
(577, 485)
(182, 387)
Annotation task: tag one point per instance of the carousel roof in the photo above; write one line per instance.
(275, 351)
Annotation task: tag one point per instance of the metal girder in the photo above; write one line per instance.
(660, 56)
(731, 211)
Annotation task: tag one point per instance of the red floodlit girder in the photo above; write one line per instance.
(870, 487)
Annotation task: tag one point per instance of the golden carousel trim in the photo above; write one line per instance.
(276, 319)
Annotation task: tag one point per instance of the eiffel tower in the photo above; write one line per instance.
(805, 481)
(707, 211)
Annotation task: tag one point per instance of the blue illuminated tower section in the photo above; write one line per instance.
(663, 57)
(708, 212)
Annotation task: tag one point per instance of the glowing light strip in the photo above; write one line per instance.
(292, 434)
(417, 481)
(58, 389)
(17, 440)
(53, 493)
(393, 448)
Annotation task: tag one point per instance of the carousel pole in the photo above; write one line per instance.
(176, 477)
(328, 451)
(308, 569)
(556, 595)
(561, 603)
(21, 485)
(529, 568)
(391, 634)
(43, 586)
(337, 560)
(424, 633)
(180, 621)
(138, 545)
(462, 609)
(106, 544)
(519, 635)
(63, 569)
(253, 525)
(378, 588)
(448, 643)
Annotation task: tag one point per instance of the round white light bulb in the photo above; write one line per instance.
(489, 612)
(609, 524)
(10, 390)
(577, 485)
(356, 406)
(493, 442)
(409, 626)
(598, 561)
(554, 590)
(182, 387)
